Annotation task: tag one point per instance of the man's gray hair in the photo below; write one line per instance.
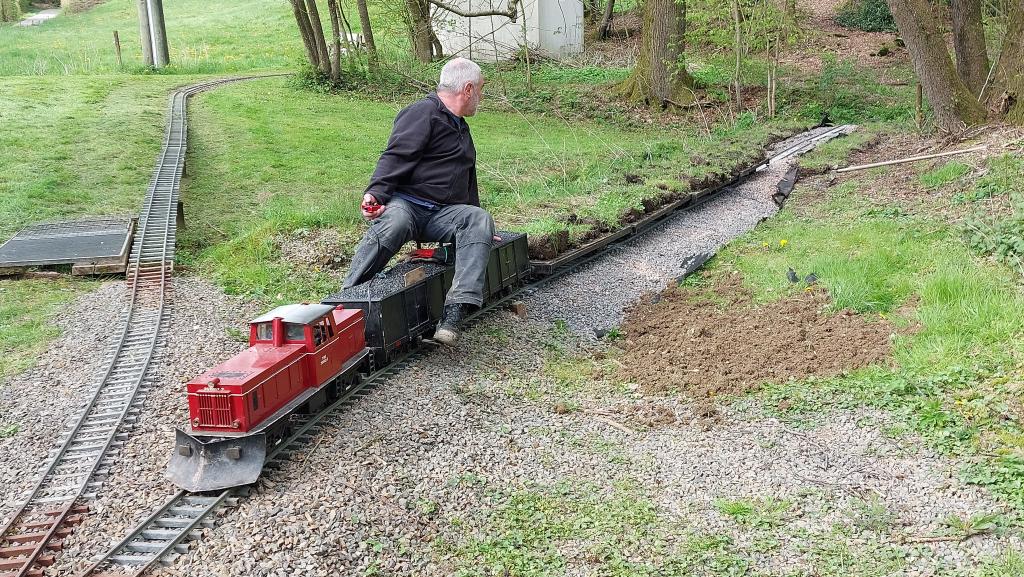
(457, 74)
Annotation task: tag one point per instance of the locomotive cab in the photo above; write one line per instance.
(300, 356)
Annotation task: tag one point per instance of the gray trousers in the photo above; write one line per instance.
(471, 228)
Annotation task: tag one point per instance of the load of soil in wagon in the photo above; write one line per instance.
(714, 341)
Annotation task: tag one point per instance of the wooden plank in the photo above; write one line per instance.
(415, 275)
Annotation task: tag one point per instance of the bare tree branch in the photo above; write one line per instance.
(512, 13)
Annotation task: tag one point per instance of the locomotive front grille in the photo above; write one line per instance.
(214, 410)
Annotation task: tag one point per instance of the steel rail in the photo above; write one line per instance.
(162, 536)
(54, 504)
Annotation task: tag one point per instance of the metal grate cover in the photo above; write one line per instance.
(78, 241)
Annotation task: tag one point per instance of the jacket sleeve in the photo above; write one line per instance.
(408, 141)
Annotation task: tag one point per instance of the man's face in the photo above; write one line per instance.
(474, 93)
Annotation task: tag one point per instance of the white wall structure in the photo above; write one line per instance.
(553, 28)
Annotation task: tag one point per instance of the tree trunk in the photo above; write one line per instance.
(420, 30)
(969, 44)
(306, 32)
(161, 56)
(1007, 90)
(145, 40)
(9, 10)
(660, 78)
(332, 7)
(318, 36)
(348, 39)
(364, 23)
(606, 21)
(738, 41)
(952, 102)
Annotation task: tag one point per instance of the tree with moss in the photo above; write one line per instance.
(951, 100)
(9, 11)
(970, 92)
(1005, 94)
(660, 78)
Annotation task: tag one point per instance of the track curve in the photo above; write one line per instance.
(76, 468)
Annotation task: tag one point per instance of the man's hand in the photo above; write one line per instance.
(371, 208)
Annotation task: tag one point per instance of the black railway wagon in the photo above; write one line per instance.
(406, 302)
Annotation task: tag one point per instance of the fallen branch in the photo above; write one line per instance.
(511, 13)
(911, 159)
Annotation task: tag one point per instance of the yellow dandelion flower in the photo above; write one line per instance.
(783, 243)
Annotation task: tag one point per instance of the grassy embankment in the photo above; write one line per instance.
(957, 375)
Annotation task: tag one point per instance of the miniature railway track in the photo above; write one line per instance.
(77, 467)
(169, 531)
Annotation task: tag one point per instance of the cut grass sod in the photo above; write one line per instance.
(266, 160)
(957, 368)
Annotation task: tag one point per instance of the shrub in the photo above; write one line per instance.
(866, 15)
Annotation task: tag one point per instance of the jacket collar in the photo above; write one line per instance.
(440, 106)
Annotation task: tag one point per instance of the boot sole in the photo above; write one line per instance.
(446, 336)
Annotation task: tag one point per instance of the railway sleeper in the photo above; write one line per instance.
(131, 559)
(25, 550)
(152, 547)
(36, 536)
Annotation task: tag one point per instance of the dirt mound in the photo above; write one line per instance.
(717, 341)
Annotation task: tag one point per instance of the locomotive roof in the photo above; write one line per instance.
(304, 313)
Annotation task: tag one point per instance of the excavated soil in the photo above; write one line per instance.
(718, 341)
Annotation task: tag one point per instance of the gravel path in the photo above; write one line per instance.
(432, 452)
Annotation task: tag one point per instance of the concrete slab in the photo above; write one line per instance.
(94, 244)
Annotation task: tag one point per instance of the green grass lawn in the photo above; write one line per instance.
(203, 37)
(78, 145)
(70, 146)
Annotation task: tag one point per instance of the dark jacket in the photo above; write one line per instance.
(430, 155)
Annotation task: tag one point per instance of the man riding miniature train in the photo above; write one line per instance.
(424, 188)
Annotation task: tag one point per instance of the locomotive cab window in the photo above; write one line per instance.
(264, 332)
(295, 331)
(321, 331)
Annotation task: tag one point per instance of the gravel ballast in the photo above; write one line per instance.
(430, 455)
(53, 393)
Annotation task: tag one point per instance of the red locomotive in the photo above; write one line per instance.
(300, 357)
